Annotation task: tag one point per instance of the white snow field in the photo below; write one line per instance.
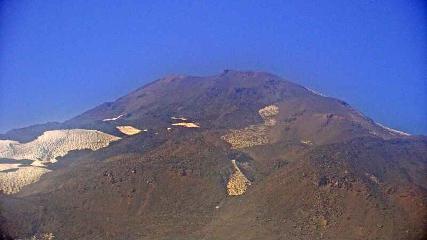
(55, 143)
(43, 150)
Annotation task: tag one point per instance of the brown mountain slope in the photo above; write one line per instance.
(227, 100)
(334, 192)
(306, 167)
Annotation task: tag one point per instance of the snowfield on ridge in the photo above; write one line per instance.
(55, 143)
(41, 151)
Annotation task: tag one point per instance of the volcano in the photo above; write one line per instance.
(238, 155)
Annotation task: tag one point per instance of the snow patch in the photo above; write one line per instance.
(8, 166)
(315, 92)
(129, 130)
(254, 135)
(112, 119)
(186, 124)
(42, 151)
(393, 131)
(56, 143)
(268, 113)
(306, 142)
(179, 118)
(43, 236)
(6, 145)
(237, 183)
(12, 182)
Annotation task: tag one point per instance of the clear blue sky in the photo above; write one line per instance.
(60, 58)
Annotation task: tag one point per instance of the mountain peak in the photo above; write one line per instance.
(172, 77)
(246, 73)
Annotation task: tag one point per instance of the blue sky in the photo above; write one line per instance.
(60, 58)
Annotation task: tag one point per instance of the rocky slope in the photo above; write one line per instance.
(239, 155)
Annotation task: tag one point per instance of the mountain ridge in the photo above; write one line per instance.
(34, 130)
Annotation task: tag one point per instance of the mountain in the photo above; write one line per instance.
(238, 155)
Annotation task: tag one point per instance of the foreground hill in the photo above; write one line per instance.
(239, 155)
